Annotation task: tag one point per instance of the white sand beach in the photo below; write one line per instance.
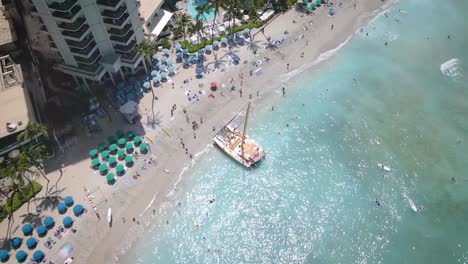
(95, 241)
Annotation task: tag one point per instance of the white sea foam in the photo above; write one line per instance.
(451, 68)
(322, 57)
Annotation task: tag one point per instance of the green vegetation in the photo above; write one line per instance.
(18, 198)
(193, 48)
(165, 43)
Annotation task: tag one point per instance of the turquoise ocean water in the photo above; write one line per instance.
(313, 198)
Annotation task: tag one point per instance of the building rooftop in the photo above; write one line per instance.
(15, 105)
(7, 31)
(148, 8)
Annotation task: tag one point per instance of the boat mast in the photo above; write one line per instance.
(245, 128)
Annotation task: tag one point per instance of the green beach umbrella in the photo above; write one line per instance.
(121, 141)
(113, 147)
(95, 162)
(110, 177)
(129, 146)
(120, 168)
(105, 154)
(93, 153)
(102, 146)
(120, 133)
(112, 160)
(111, 139)
(137, 140)
(121, 153)
(144, 147)
(102, 168)
(129, 159)
(130, 134)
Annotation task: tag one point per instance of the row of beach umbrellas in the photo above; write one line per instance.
(21, 255)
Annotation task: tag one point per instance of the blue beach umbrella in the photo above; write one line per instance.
(147, 85)
(155, 57)
(224, 40)
(163, 75)
(4, 256)
(27, 229)
(67, 222)
(215, 43)
(178, 54)
(170, 63)
(15, 242)
(68, 201)
(154, 73)
(171, 69)
(208, 47)
(21, 256)
(165, 51)
(163, 68)
(198, 71)
(78, 209)
(31, 243)
(246, 30)
(49, 222)
(61, 208)
(38, 255)
(178, 46)
(156, 79)
(41, 230)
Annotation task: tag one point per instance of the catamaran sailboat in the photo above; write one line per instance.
(237, 144)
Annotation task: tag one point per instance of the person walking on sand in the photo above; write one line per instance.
(283, 89)
(332, 27)
(287, 66)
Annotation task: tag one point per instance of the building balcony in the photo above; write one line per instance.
(72, 26)
(118, 23)
(63, 6)
(114, 14)
(43, 28)
(123, 40)
(86, 52)
(90, 60)
(129, 58)
(125, 48)
(120, 32)
(77, 35)
(80, 44)
(52, 45)
(93, 72)
(110, 4)
(69, 15)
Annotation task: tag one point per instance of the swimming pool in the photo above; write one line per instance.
(191, 8)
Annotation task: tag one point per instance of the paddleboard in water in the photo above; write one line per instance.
(384, 167)
(413, 206)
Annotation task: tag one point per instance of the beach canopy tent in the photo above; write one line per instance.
(31, 243)
(95, 162)
(93, 153)
(27, 229)
(21, 256)
(68, 201)
(38, 256)
(78, 209)
(110, 177)
(129, 110)
(4, 256)
(41, 230)
(102, 168)
(105, 154)
(61, 208)
(15, 242)
(265, 16)
(68, 221)
(49, 222)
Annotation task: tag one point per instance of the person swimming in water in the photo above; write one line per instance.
(377, 202)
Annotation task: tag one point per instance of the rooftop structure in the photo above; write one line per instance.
(154, 17)
(7, 31)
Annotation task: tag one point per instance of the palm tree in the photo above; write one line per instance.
(183, 21)
(233, 12)
(215, 7)
(146, 49)
(33, 131)
(202, 10)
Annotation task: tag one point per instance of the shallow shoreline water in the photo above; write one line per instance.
(319, 203)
